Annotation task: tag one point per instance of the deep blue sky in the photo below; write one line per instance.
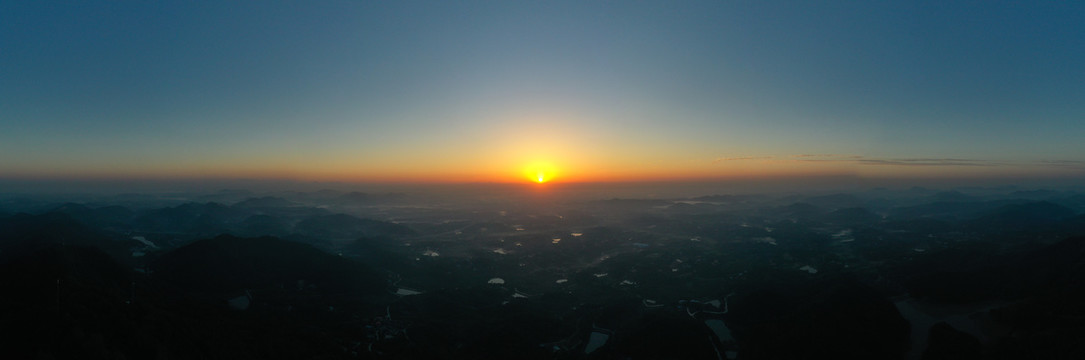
(372, 90)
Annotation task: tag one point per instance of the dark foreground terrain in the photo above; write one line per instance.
(979, 273)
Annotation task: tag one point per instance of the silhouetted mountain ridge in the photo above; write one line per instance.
(24, 233)
(228, 264)
(347, 226)
(265, 202)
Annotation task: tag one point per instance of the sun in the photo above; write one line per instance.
(540, 172)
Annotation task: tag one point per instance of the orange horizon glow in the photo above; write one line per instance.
(567, 177)
(519, 158)
(540, 172)
(532, 175)
(522, 147)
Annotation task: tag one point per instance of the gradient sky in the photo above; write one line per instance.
(475, 91)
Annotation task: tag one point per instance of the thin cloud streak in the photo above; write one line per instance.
(905, 162)
(863, 160)
(1064, 163)
(927, 162)
(802, 156)
(722, 159)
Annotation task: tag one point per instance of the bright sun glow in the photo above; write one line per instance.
(540, 172)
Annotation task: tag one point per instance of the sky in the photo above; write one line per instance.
(488, 91)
